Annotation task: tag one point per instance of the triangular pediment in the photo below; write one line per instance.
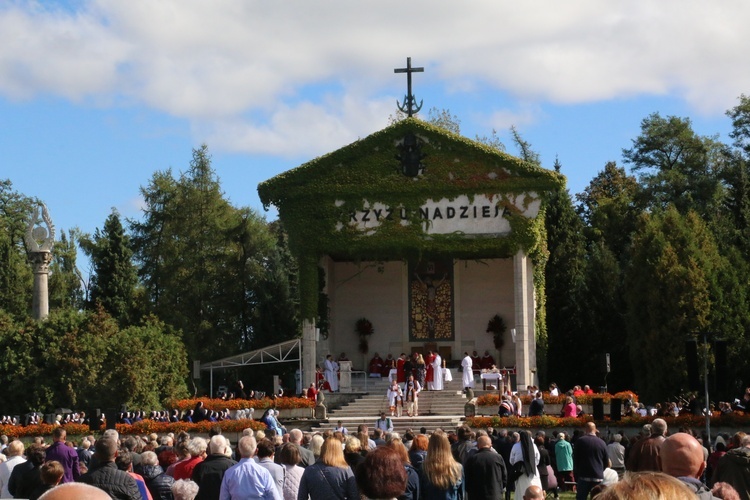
(368, 197)
(452, 164)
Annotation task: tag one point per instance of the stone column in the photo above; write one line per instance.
(40, 303)
(309, 353)
(523, 285)
(39, 239)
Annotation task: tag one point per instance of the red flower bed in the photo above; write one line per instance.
(736, 419)
(241, 404)
(585, 399)
(143, 427)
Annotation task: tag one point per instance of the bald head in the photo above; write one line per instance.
(483, 442)
(682, 455)
(75, 491)
(533, 492)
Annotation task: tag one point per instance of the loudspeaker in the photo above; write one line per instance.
(95, 420)
(691, 362)
(49, 418)
(598, 408)
(111, 418)
(720, 352)
(615, 409)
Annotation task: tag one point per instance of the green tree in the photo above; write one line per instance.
(677, 166)
(671, 292)
(204, 263)
(570, 345)
(115, 276)
(16, 279)
(82, 360)
(64, 278)
(608, 209)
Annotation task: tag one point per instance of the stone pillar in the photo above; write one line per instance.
(39, 239)
(309, 354)
(40, 302)
(523, 286)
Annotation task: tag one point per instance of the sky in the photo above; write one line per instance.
(98, 95)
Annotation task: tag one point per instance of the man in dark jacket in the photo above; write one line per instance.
(734, 468)
(106, 476)
(486, 474)
(157, 482)
(209, 473)
(589, 461)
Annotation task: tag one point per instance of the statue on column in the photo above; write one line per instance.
(39, 239)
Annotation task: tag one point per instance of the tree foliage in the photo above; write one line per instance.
(205, 263)
(16, 280)
(671, 291)
(115, 277)
(570, 346)
(676, 166)
(82, 360)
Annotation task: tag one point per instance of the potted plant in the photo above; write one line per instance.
(497, 328)
(363, 328)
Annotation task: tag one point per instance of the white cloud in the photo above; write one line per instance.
(299, 65)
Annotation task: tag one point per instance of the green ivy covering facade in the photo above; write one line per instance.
(315, 201)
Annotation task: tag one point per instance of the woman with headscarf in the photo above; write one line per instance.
(526, 455)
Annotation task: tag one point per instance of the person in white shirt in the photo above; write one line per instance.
(384, 423)
(395, 398)
(468, 378)
(411, 396)
(14, 452)
(331, 374)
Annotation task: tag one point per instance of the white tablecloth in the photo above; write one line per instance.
(491, 376)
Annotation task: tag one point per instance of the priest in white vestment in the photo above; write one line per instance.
(331, 374)
(437, 367)
(468, 378)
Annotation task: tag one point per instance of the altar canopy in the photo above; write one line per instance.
(426, 234)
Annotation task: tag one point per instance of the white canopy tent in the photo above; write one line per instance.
(285, 352)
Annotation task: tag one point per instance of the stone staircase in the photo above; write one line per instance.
(437, 409)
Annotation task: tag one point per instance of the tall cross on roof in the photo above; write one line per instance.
(409, 105)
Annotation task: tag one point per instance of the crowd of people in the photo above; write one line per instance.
(382, 464)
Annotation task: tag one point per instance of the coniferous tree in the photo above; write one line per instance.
(571, 347)
(671, 293)
(115, 277)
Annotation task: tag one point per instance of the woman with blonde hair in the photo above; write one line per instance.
(442, 476)
(647, 486)
(329, 477)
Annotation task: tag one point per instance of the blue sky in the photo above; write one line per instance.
(97, 95)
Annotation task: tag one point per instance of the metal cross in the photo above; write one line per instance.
(409, 105)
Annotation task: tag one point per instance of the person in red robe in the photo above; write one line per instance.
(400, 375)
(430, 370)
(487, 361)
(376, 366)
(312, 392)
(320, 380)
(476, 362)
